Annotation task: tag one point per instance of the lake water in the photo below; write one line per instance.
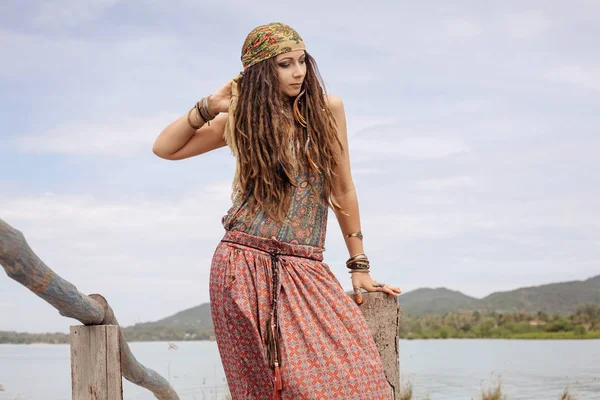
(441, 369)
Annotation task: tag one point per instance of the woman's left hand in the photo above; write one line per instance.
(362, 280)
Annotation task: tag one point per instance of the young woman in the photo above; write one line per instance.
(284, 326)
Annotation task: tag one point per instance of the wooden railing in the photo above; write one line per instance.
(22, 265)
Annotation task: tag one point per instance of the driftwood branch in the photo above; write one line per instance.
(22, 265)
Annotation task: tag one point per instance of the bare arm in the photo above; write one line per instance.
(343, 184)
(179, 140)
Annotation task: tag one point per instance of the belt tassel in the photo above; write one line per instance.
(272, 332)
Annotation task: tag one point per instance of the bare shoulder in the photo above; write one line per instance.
(335, 102)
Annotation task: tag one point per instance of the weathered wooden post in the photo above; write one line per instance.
(96, 363)
(382, 313)
(21, 264)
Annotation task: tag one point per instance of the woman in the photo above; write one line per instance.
(284, 326)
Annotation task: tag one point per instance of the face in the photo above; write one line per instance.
(291, 71)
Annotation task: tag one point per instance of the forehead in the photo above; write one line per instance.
(292, 54)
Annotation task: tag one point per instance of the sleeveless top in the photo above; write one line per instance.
(307, 222)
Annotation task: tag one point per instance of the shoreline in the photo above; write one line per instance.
(594, 337)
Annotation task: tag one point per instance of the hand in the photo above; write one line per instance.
(219, 101)
(362, 280)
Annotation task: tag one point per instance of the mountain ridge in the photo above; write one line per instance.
(560, 298)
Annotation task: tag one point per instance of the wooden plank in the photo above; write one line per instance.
(88, 362)
(113, 363)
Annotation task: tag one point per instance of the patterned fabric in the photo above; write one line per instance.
(307, 224)
(325, 348)
(268, 41)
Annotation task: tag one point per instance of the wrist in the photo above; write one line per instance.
(212, 105)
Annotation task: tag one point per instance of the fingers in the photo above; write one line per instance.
(381, 287)
(358, 295)
(392, 291)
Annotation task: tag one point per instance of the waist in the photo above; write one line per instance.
(273, 246)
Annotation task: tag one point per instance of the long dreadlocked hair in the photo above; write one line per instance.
(273, 146)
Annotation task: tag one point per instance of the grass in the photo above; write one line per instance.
(494, 392)
(406, 391)
(567, 396)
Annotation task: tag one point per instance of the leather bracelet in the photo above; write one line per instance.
(202, 107)
(190, 121)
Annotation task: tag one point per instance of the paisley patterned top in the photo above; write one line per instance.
(307, 224)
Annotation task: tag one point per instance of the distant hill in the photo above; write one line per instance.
(556, 298)
(436, 301)
(192, 324)
(194, 317)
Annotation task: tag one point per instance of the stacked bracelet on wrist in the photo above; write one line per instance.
(203, 112)
(358, 263)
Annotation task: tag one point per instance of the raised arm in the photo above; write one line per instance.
(179, 140)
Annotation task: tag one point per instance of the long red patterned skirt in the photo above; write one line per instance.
(285, 329)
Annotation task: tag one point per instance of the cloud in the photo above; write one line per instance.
(122, 137)
(448, 183)
(367, 171)
(462, 28)
(473, 145)
(124, 247)
(411, 226)
(356, 124)
(586, 77)
(410, 147)
(61, 13)
(528, 24)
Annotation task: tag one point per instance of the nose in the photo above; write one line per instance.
(298, 72)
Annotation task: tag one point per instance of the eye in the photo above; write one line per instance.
(302, 61)
(284, 65)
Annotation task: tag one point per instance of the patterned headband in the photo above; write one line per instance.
(268, 41)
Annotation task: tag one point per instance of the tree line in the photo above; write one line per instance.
(583, 324)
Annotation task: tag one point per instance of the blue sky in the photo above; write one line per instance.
(474, 138)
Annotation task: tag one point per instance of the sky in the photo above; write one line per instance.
(474, 132)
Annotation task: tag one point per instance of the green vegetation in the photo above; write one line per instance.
(29, 338)
(562, 298)
(583, 324)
